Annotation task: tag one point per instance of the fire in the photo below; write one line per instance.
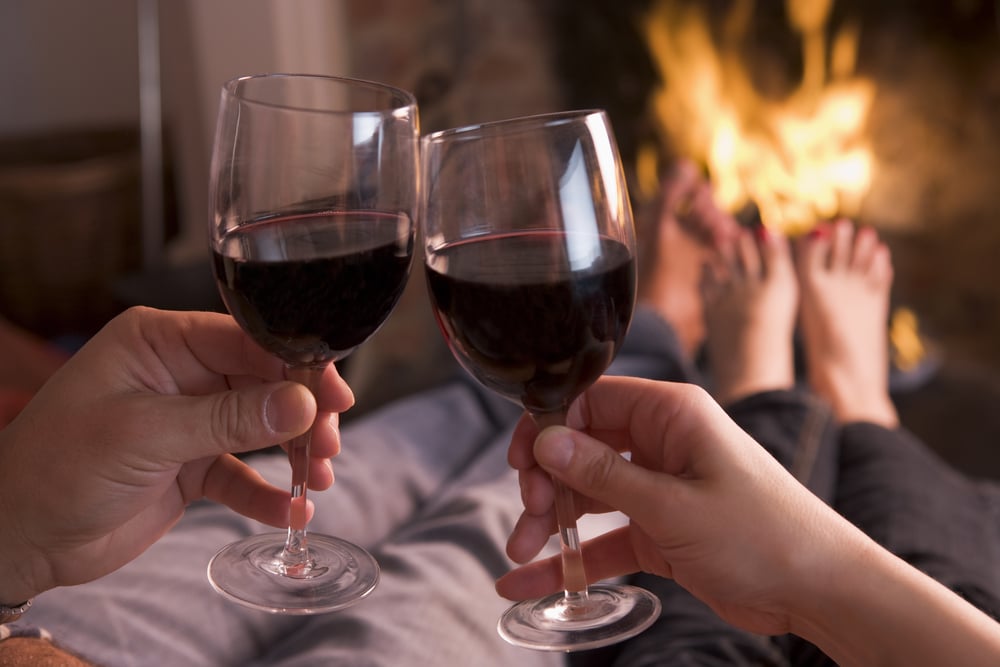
(801, 158)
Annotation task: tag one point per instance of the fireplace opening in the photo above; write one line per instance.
(805, 110)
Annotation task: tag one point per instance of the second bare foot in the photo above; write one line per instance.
(750, 306)
(845, 276)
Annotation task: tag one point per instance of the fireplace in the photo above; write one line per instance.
(899, 104)
(920, 157)
(885, 112)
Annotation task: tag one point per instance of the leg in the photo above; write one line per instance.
(689, 633)
(890, 484)
(751, 302)
(910, 501)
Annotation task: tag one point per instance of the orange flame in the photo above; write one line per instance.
(800, 159)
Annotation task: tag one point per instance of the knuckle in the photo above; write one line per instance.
(597, 471)
(229, 423)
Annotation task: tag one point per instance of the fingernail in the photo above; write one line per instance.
(762, 233)
(284, 410)
(555, 448)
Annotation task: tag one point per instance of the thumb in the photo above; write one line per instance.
(245, 419)
(593, 469)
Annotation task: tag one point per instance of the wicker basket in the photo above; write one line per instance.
(70, 208)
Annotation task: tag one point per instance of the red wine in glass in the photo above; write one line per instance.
(524, 321)
(311, 287)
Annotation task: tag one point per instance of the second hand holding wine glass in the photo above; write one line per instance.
(530, 258)
(313, 190)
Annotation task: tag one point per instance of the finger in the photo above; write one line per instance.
(537, 491)
(538, 521)
(325, 439)
(333, 393)
(637, 415)
(235, 484)
(194, 353)
(241, 420)
(594, 470)
(530, 535)
(324, 443)
(519, 454)
(194, 350)
(609, 555)
(538, 495)
(320, 474)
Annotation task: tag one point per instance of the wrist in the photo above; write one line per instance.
(831, 612)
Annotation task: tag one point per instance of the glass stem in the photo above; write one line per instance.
(295, 555)
(574, 575)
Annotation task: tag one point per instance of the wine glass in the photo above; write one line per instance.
(530, 263)
(312, 196)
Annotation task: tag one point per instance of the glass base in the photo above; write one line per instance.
(610, 614)
(251, 572)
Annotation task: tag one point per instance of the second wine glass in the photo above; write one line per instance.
(313, 191)
(530, 263)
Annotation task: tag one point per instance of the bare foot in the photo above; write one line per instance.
(690, 229)
(844, 277)
(750, 305)
(693, 202)
(671, 288)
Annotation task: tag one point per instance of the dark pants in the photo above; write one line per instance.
(885, 481)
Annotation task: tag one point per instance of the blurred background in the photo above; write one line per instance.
(798, 110)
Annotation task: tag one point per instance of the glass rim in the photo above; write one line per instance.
(405, 99)
(549, 118)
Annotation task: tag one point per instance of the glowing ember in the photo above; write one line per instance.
(799, 159)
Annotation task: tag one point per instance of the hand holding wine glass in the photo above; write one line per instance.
(312, 195)
(530, 258)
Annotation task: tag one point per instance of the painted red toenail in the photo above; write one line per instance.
(819, 232)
